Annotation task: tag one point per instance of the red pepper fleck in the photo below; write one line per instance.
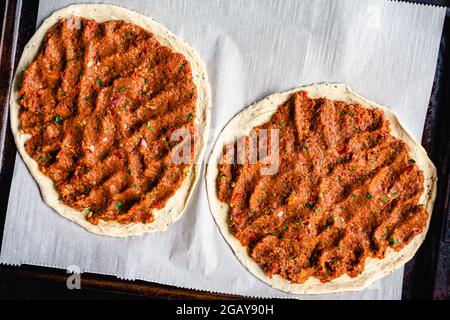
(236, 197)
(341, 149)
(157, 205)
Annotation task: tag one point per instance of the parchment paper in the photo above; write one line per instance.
(384, 50)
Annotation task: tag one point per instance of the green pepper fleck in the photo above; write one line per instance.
(58, 120)
(188, 116)
(99, 82)
(41, 158)
(368, 195)
(412, 161)
(149, 126)
(353, 196)
(119, 204)
(285, 227)
(310, 206)
(384, 199)
(128, 35)
(280, 123)
(393, 241)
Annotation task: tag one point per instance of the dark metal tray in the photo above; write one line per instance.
(427, 276)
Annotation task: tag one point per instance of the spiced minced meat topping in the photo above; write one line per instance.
(100, 102)
(345, 190)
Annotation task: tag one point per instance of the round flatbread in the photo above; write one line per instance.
(373, 268)
(176, 204)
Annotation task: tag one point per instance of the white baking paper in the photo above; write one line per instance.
(384, 50)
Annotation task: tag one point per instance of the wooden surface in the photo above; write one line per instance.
(36, 282)
(426, 276)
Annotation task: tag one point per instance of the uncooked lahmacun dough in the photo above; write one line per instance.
(176, 205)
(260, 113)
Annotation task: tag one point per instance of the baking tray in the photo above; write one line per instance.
(427, 276)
